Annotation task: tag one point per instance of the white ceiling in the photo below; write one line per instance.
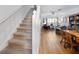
(57, 10)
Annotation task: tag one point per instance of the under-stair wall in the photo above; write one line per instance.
(9, 24)
(36, 30)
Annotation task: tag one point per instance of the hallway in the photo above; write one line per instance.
(50, 43)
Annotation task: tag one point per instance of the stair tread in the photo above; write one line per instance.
(10, 50)
(22, 38)
(27, 21)
(21, 43)
(17, 40)
(24, 28)
(18, 46)
(28, 24)
(27, 18)
(25, 34)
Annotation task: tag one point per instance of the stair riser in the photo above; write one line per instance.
(25, 25)
(19, 35)
(26, 39)
(23, 35)
(27, 29)
(16, 51)
(22, 38)
(28, 18)
(25, 51)
(28, 25)
(25, 21)
(24, 30)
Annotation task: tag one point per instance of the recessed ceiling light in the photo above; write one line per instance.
(53, 12)
(59, 9)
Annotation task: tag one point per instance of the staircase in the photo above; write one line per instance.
(21, 43)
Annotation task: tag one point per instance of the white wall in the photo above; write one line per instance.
(36, 31)
(7, 10)
(13, 16)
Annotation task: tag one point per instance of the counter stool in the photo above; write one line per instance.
(65, 41)
(75, 44)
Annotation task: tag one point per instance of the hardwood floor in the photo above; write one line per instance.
(50, 43)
